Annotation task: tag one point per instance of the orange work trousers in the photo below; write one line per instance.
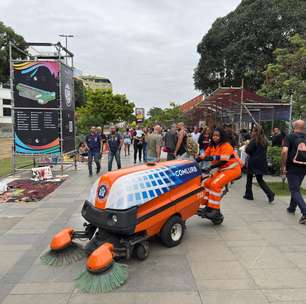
(214, 186)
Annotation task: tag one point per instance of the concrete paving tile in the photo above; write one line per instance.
(285, 295)
(241, 235)
(279, 278)
(233, 297)
(262, 257)
(137, 298)
(209, 250)
(39, 273)
(7, 222)
(297, 258)
(228, 270)
(17, 247)
(37, 299)
(17, 239)
(253, 243)
(286, 236)
(43, 288)
(8, 259)
(237, 284)
(270, 225)
(160, 273)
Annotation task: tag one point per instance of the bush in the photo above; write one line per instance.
(274, 156)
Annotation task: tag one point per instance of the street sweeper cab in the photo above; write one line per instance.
(127, 207)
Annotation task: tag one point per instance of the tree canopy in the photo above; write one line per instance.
(79, 92)
(166, 116)
(288, 75)
(241, 44)
(103, 107)
(7, 34)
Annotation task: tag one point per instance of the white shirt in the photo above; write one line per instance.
(195, 136)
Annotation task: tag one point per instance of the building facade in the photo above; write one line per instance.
(95, 82)
(5, 112)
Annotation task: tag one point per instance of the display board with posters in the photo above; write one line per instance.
(43, 107)
(68, 106)
(140, 114)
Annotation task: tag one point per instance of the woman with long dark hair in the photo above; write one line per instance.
(257, 163)
(222, 156)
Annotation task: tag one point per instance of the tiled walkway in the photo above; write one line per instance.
(258, 255)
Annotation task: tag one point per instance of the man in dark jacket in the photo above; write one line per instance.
(295, 172)
(114, 141)
(94, 147)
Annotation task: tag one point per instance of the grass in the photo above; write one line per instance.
(281, 189)
(21, 161)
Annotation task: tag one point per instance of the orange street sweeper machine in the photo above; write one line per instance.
(125, 208)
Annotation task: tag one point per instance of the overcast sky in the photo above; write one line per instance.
(146, 48)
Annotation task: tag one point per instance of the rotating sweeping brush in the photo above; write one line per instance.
(62, 250)
(102, 273)
(66, 256)
(112, 278)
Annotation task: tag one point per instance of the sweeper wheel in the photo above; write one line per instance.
(173, 231)
(142, 250)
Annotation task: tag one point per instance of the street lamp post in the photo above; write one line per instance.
(66, 41)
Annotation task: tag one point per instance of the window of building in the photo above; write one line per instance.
(7, 102)
(7, 112)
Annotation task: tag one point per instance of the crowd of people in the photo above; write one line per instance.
(215, 146)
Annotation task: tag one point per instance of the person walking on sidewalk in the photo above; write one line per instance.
(295, 168)
(127, 142)
(94, 148)
(181, 144)
(154, 142)
(138, 139)
(257, 163)
(114, 142)
(170, 142)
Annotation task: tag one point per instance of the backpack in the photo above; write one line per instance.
(192, 146)
(300, 156)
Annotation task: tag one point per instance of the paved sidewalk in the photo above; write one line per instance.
(258, 255)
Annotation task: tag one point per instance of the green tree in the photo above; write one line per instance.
(7, 34)
(103, 107)
(241, 44)
(166, 116)
(79, 92)
(288, 75)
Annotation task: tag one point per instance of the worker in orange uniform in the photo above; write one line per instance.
(223, 157)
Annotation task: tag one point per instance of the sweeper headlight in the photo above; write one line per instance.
(115, 218)
(93, 192)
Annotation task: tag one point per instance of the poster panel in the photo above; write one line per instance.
(36, 131)
(68, 105)
(140, 114)
(36, 84)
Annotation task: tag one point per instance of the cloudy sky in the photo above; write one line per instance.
(147, 48)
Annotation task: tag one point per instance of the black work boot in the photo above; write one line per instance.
(202, 211)
(214, 214)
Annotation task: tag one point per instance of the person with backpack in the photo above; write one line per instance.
(293, 165)
(114, 142)
(257, 163)
(181, 144)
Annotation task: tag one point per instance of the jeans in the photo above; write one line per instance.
(261, 183)
(294, 182)
(96, 157)
(137, 148)
(145, 151)
(111, 156)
